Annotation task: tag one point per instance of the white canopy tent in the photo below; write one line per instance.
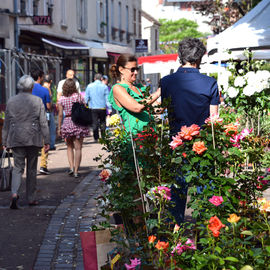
(251, 31)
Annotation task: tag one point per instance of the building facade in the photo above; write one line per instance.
(55, 35)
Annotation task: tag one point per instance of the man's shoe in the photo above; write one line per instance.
(44, 171)
(77, 175)
(52, 148)
(14, 201)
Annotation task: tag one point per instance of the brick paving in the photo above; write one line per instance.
(61, 247)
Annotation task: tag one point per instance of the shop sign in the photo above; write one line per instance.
(42, 20)
(141, 45)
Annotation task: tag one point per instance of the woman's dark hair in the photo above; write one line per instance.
(122, 60)
(191, 50)
(69, 87)
(47, 78)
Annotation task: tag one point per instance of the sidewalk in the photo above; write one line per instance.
(47, 236)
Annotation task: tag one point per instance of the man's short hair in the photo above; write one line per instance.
(98, 76)
(35, 73)
(191, 50)
(105, 77)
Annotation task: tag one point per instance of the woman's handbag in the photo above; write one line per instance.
(81, 115)
(5, 172)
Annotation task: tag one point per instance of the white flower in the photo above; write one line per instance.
(240, 71)
(250, 77)
(231, 66)
(232, 92)
(249, 90)
(239, 81)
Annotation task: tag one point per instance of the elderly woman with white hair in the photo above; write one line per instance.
(24, 131)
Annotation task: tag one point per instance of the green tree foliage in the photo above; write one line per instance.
(222, 14)
(171, 32)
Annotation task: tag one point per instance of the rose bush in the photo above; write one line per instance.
(222, 165)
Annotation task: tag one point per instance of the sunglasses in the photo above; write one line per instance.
(133, 69)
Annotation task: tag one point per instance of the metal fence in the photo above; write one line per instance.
(15, 64)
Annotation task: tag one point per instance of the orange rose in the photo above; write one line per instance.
(233, 218)
(215, 225)
(187, 132)
(151, 239)
(231, 129)
(104, 175)
(199, 147)
(216, 233)
(162, 245)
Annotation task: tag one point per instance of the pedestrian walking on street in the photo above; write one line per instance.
(96, 96)
(24, 131)
(47, 82)
(43, 93)
(70, 74)
(72, 133)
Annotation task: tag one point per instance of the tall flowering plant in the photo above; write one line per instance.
(248, 89)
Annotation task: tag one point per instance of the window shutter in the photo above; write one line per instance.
(29, 8)
(85, 20)
(78, 5)
(98, 17)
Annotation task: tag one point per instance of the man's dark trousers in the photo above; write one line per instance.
(99, 122)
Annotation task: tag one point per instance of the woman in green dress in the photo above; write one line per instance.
(125, 95)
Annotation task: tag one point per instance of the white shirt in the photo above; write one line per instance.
(61, 83)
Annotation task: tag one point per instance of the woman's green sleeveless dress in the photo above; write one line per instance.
(131, 121)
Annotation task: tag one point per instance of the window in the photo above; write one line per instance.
(35, 7)
(120, 20)
(113, 28)
(112, 13)
(140, 23)
(63, 13)
(26, 7)
(134, 22)
(82, 15)
(127, 19)
(101, 18)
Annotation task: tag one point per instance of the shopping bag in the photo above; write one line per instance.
(81, 115)
(97, 249)
(5, 172)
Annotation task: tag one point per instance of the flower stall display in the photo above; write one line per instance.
(223, 164)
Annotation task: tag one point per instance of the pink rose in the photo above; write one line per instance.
(175, 142)
(216, 200)
(165, 192)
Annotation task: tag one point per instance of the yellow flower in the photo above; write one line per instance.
(114, 120)
(176, 228)
(117, 132)
(233, 218)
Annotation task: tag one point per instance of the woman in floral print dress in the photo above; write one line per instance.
(72, 133)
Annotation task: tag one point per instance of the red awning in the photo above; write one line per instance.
(157, 58)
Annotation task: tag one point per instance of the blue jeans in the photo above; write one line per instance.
(52, 130)
(179, 198)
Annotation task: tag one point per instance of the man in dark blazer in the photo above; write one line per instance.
(193, 98)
